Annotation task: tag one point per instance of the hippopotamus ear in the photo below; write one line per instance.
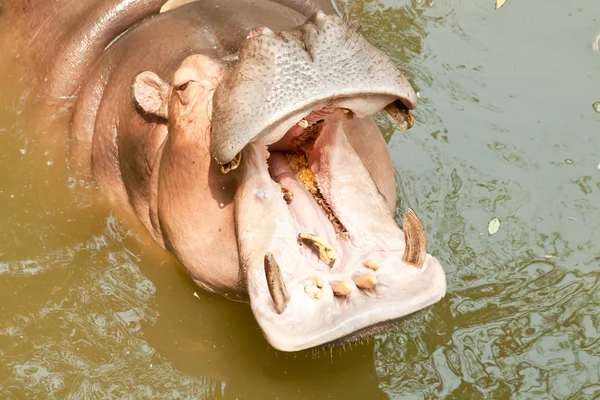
(151, 93)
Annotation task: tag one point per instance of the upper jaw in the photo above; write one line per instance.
(282, 77)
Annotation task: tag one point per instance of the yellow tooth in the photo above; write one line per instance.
(364, 280)
(313, 287)
(348, 113)
(371, 264)
(324, 249)
(318, 282)
(276, 284)
(231, 165)
(288, 195)
(400, 114)
(303, 123)
(340, 288)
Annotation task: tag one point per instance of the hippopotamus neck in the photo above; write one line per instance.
(66, 38)
(69, 36)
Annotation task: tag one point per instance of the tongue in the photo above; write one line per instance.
(308, 215)
(348, 188)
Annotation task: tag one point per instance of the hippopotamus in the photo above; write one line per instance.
(240, 134)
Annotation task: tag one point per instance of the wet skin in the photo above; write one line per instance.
(155, 123)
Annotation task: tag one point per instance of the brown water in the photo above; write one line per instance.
(505, 128)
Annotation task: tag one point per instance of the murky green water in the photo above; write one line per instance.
(506, 129)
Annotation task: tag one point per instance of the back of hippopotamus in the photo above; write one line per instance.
(240, 134)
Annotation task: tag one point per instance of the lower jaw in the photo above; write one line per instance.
(314, 314)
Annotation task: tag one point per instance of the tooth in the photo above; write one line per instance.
(348, 113)
(287, 194)
(303, 123)
(416, 241)
(313, 287)
(231, 57)
(324, 249)
(233, 164)
(400, 114)
(276, 284)
(340, 288)
(371, 264)
(364, 281)
(318, 282)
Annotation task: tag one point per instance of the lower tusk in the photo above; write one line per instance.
(400, 114)
(303, 123)
(340, 288)
(276, 284)
(364, 281)
(231, 165)
(323, 248)
(416, 241)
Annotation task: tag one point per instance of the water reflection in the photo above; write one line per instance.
(521, 315)
(91, 308)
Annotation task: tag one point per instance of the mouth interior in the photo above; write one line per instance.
(328, 191)
(332, 234)
(293, 168)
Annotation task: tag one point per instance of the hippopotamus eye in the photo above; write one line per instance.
(184, 86)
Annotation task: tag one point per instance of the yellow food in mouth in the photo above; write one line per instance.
(299, 163)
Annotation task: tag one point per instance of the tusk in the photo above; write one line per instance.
(233, 164)
(323, 248)
(416, 241)
(400, 114)
(231, 57)
(340, 288)
(364, 281)
(371, 264)
(276, 284)
(303, 123)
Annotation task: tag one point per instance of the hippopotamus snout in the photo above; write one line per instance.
(283, 76)
(321, 255)
(324, 259)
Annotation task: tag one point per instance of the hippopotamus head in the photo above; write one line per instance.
(321, 256)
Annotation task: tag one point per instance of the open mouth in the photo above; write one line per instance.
(323, 255)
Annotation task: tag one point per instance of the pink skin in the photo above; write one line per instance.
(265, 223)
(193, 210)
(158, 160)
(191, 201)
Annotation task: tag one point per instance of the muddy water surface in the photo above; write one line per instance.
(90, 308)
